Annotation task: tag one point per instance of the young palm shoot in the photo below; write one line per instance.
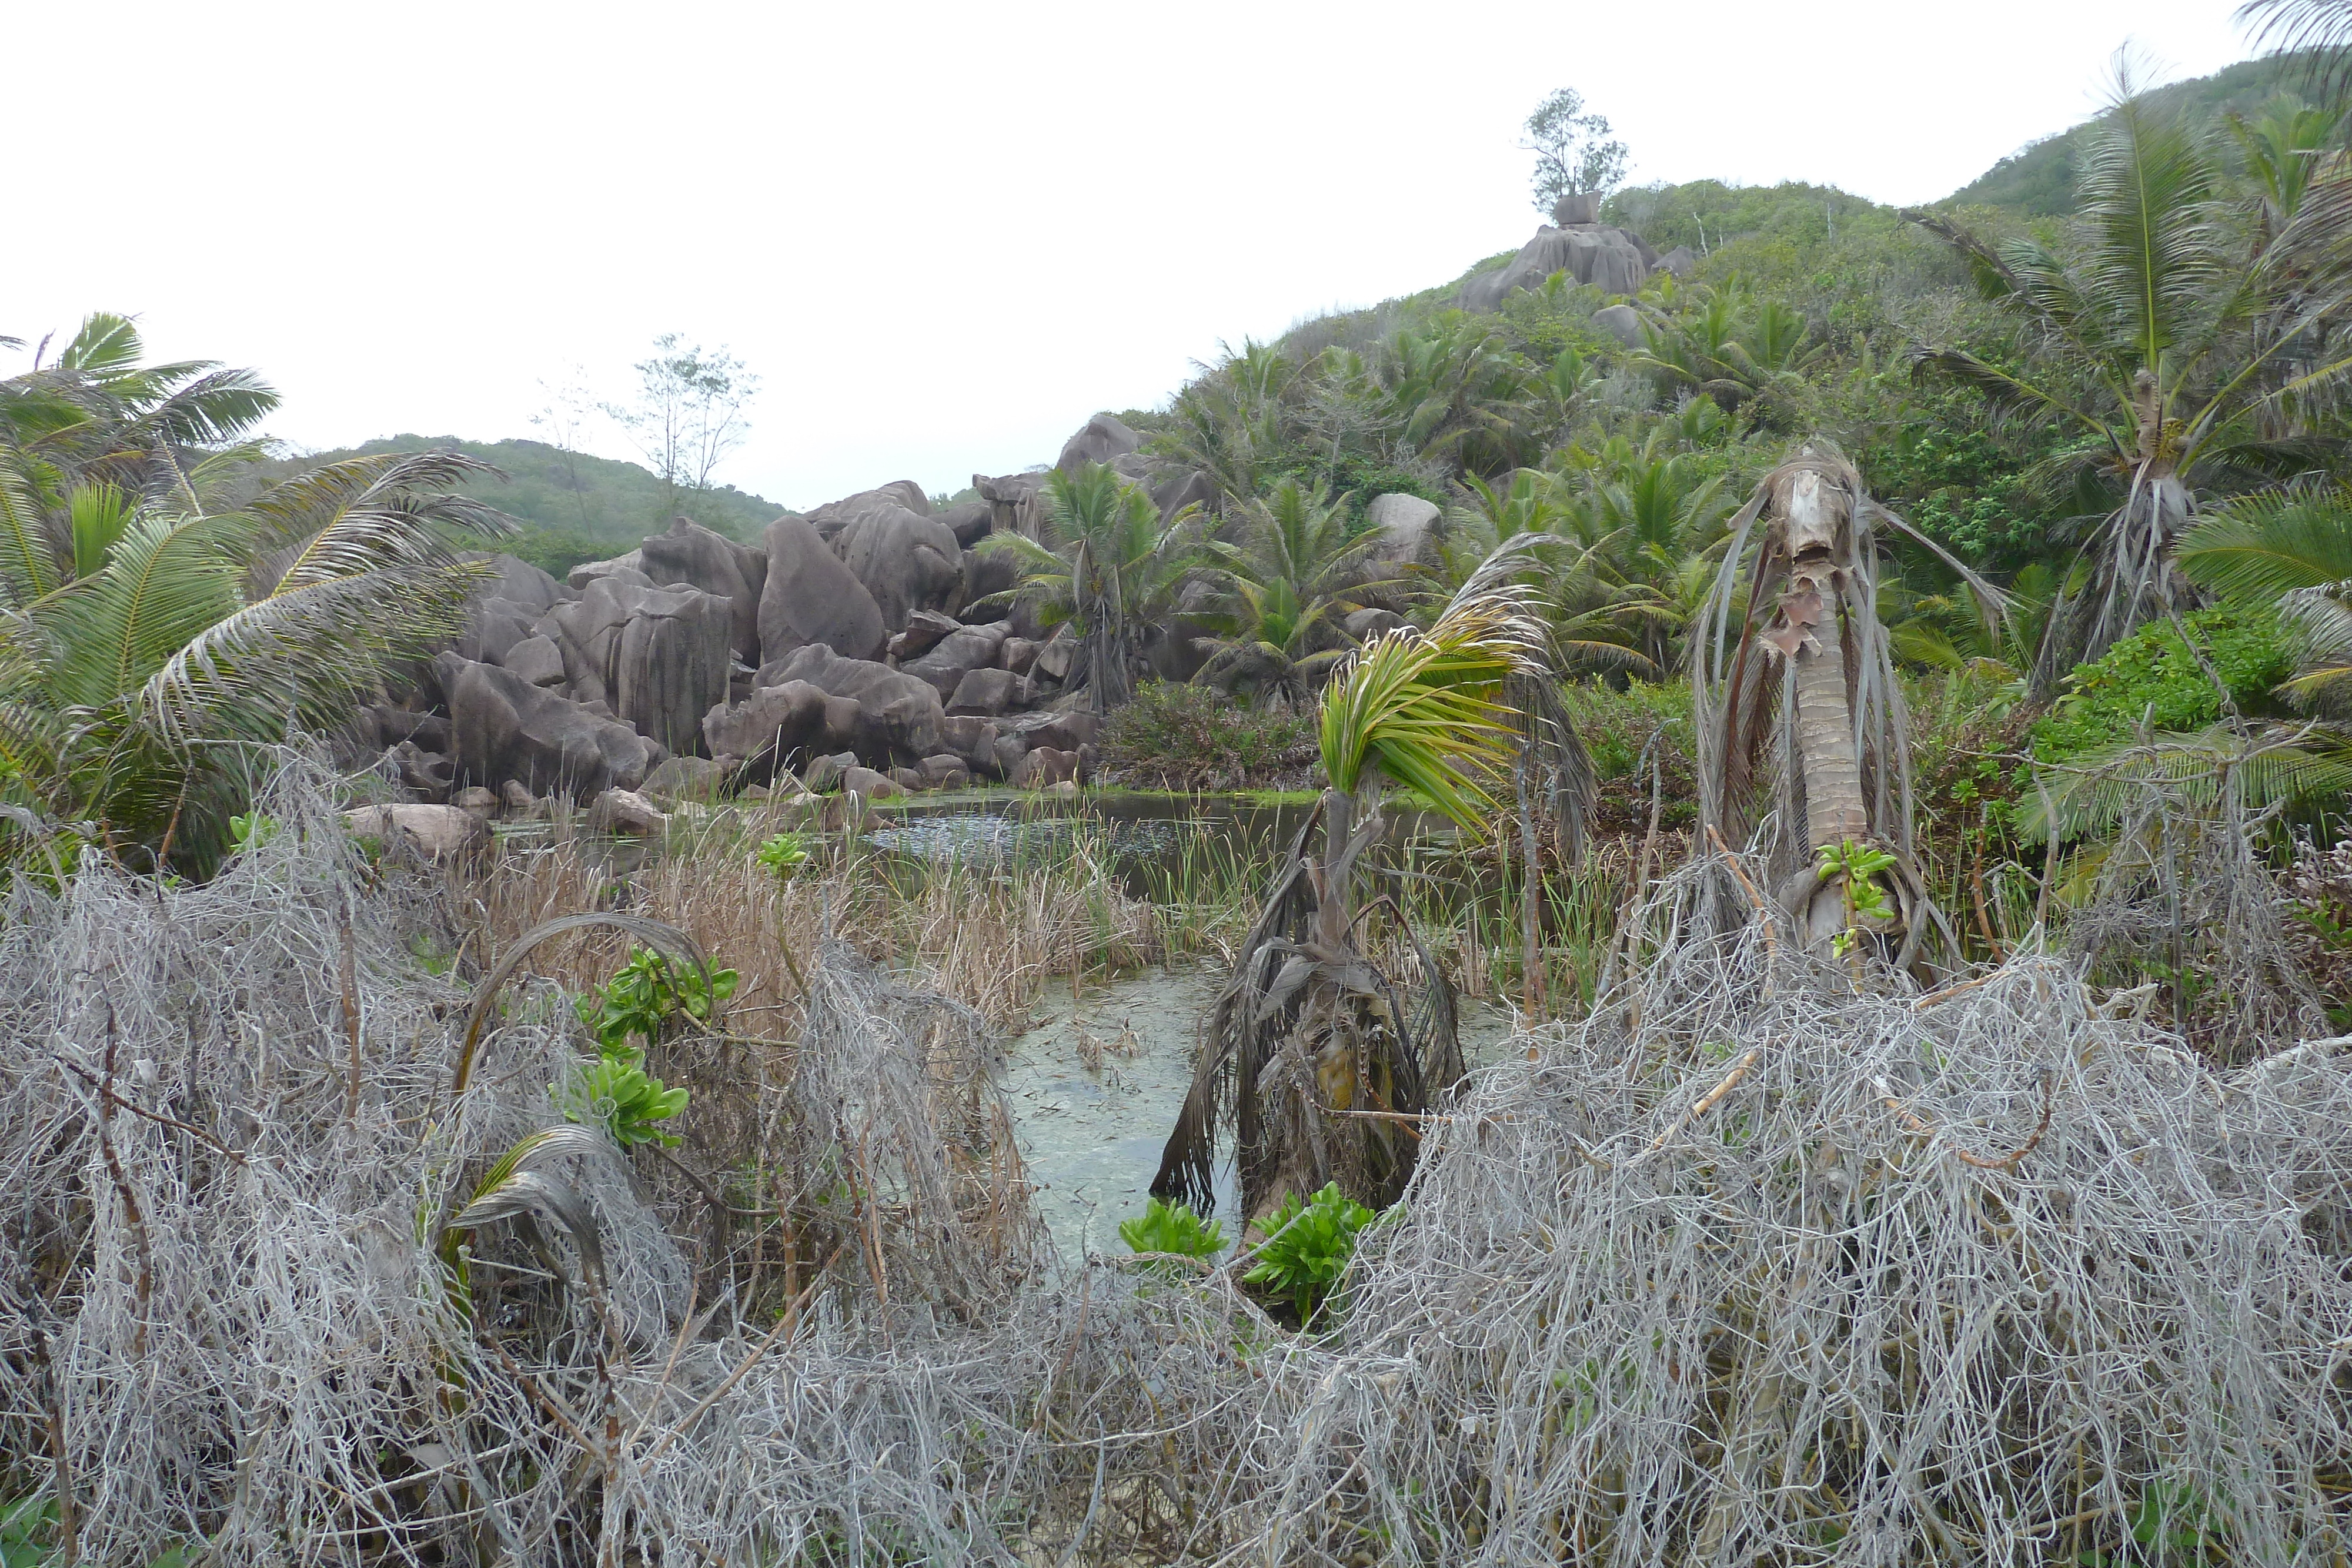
(1316, 1060)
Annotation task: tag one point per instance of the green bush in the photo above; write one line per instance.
(1306, 1247)
(1177, 736)
(644, 995)
(2151, 678)
(1172, 1227)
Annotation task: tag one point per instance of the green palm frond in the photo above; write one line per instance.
(28, 555)
(96, 516)
(2091, 795)
(391, 510)
(167, 579)
(2259, 548)
(1425, 710)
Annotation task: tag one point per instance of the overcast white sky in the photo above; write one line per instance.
(945, 234)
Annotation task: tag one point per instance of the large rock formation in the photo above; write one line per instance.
(1611, 259)
(659, 657)
(1015, 501)
(1102, 439)
(811, 598)
(831, 518)
(692, 554)
(506, 607)
(907, 561)
(504, 728)
(900, 714)
(778, 728)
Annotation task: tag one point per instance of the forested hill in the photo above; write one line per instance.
(2038, 180)
(573, 506)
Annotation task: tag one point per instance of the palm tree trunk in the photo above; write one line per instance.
(1834, 808)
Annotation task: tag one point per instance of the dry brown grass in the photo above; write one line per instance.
(989, 938)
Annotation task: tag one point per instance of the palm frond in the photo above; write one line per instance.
(167, 579)
(2258, 549)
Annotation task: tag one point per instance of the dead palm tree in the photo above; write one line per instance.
(1317, 1062)
(1803, 750)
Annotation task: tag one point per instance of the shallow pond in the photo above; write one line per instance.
(1093, 1089)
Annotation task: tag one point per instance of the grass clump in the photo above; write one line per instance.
(1176, 735)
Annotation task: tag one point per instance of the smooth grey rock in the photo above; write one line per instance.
(963, 651)
(537, 660)
(1363, 625)
(1067, 731)
(625, 812)
(908, 779)
(898, 715)
(430, 731)
(825, 773)
(516, 796)
(504, 728)
(1045, 765)
(973, 739)
(988, 576)
(1054, 657)
(969, 521)
(1191, 488)
(907, 562)
(831, 518)
(519, 582)
(810, 597)
(1018, 655)
(944, 772)
(1680, 261)
(1621, 321)
(1407, 526)
(684, 778)
(1609, 259)
(986, 692)
(440, 832)
(925, 628)
(493, 626)
(872, 785)
(709, 560)
(1576, 207)
(1015, 502)
(427, 774)
(1009, 749)
(659, 656)
(774, 727)
(481, 802)
(629, 568)
(1101, 439)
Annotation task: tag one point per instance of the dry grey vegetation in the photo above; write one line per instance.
(1757, 1263)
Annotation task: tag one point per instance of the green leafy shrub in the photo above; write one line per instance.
(615, 1091)
(2151, 677)
(250, 832)
(1172, 1227)
(645, 994)
(1308, 1246)
(784, 853)
(1177, 736)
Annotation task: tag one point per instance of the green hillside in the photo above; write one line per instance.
(2038, 180)
(574, 507)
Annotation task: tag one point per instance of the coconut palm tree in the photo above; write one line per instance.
(2190, 351)
(1316, 1061)
(148, 644)
(1108, 566)
(1287, 583)
(133, 691)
